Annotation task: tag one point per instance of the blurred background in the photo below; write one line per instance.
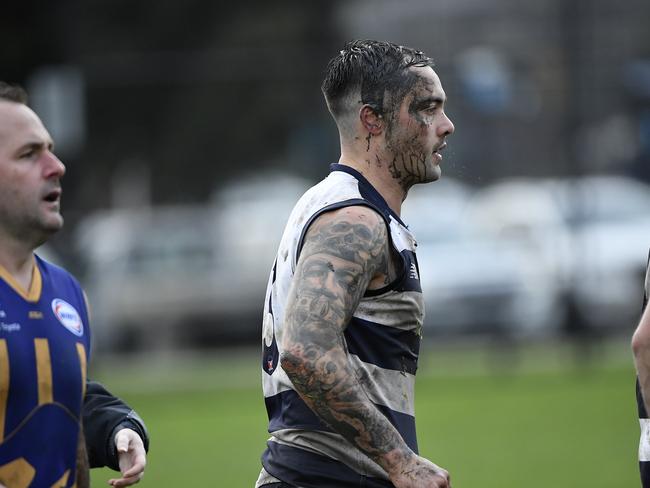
(190, 128)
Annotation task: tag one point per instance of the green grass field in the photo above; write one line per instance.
(494, 419)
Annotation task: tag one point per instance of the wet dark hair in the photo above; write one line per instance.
(12, 93)
(373, 68)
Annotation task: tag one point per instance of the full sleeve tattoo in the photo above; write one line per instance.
(342, 252)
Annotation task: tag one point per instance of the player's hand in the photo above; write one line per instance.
(132, 458)
(419, 472)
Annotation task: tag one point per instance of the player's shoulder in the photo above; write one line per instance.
(356, 233)
(355, 217)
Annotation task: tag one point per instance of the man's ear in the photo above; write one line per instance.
(371, 120)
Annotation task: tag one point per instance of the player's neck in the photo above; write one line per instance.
(378, 175)
(17, 260)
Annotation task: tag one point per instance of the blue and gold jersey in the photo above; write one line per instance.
(44, 345)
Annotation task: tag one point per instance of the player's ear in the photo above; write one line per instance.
(371, 119)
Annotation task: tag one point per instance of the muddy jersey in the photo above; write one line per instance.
(382, 339)
(44, 345)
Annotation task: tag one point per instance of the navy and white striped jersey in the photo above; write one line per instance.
(644, 441)
(382, 338)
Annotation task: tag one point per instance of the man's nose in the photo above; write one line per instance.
(53, 166)
(447, 127)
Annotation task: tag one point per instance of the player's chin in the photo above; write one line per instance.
(434, 172)
(52, 222)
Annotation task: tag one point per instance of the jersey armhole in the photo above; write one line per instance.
(393, 284)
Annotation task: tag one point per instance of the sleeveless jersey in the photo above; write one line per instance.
(382, 339)
(44, 343)
(644, 442)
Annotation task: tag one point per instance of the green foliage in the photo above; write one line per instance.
(532, 419)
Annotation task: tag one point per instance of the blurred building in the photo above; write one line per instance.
(198, 91)
(157, 103)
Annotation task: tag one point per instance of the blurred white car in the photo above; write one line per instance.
(473, 281)
(591, 233)
(610, 221)
(525, 211)
(252, 214)
(169, 276)
(151, 273)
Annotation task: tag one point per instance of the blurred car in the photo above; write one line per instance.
(473, 281)
(523, 210)
(610, 221)
(150, 273)
(591, 233)
(169, 276)
(253, 213)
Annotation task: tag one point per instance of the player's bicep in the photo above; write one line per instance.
(342, 251)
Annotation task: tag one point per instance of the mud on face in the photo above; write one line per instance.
(410, 133)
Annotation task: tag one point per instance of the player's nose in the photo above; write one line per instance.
(447, 127)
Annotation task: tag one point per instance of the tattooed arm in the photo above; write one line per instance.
(344, 252)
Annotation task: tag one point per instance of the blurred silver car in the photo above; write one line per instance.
(175, 276)
(474, 281)
(609, 217)
(592, 233)
(150, 274)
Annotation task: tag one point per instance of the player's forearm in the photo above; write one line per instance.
(325, 380)
(642, 364)
(644, 383)
(641, 350)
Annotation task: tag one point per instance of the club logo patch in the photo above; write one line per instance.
(68, 316)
